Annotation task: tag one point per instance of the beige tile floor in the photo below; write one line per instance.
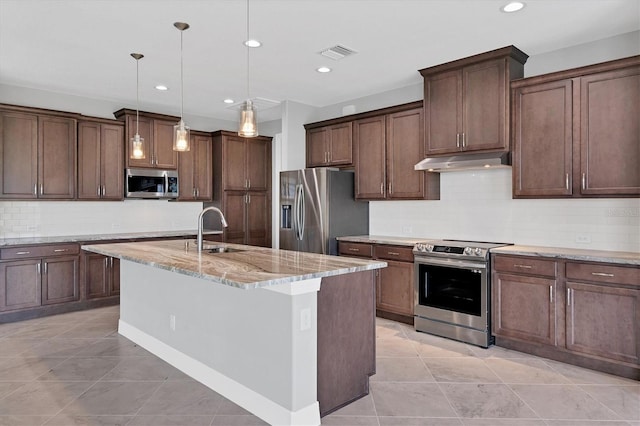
(74, 369)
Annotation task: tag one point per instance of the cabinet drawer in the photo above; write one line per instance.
(403, 254)
(525, 265)
(355, 249)
(27, 252)
(603, 273)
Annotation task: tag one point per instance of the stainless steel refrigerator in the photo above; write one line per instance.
(316, 206)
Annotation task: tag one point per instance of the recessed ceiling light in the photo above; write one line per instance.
(162, 87)
(252, 43)
(228, 101)
(513, 6)
(323, 69)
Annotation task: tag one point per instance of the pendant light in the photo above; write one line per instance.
(248, 120)
(181, 133)
(136, 143)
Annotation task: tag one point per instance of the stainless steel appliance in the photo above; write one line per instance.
(316, 206)
(151, 183)
(452, 289)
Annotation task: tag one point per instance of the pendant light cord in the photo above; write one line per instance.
(137, 96)
(181, 80)
(248, 48)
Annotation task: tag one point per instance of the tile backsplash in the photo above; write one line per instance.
(52, 218)
(477, 205)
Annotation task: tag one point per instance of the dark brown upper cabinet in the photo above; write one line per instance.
(157, 132)
(100, 160)
(466, 102)
(195, 170)
(577, 133)
(330, 145)
(37, 154)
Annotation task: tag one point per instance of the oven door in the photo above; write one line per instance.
(452, 291)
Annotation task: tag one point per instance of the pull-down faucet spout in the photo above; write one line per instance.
(200, 220)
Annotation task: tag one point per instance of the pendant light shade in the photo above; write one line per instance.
(248, 118)
(181, 132)
(136, 143)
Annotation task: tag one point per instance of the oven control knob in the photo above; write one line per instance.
(419, 247)
(468, 251)
(478, 251)
(429, 247)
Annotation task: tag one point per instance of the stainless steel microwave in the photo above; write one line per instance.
(151, 183)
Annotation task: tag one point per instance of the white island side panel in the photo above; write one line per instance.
(246, 345)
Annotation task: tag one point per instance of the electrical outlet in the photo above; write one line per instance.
(407, 230)
(305, 319)
(583, 238)
(172, 322)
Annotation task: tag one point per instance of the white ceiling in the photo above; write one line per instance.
(82, 47)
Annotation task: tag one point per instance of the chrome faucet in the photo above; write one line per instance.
(200, 218)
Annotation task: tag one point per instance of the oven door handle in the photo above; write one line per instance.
(452, 264)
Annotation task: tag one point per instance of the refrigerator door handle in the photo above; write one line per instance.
(294, 216)
(301, 212)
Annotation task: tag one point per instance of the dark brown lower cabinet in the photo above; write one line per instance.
(60, 279)
(20, 284)
(583, 313)
(248, 215)
(101, 275)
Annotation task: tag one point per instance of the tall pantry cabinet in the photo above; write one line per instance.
(242, 188)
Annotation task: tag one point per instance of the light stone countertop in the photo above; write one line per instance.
(619, 257)
(380, 239)
(252, 267)
(8, 242)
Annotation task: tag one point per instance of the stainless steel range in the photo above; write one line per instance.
(452, 289)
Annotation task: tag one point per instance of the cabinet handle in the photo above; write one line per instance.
(566, 181)
(393, 253)
(329, 155)
(326, 157)
(457, 140)
(98, 191)
(354, 249)
(38, 268)
(551, 294)
(463, 140)
(106, 262)
(522, 266)
(60, 250)
(111, 262)
(390, 189)
(45, 267)
(584, 181)
(197, 192)
(35, 189)
(104, 190)
(568, 297)
(248, 198)
(381, 188)
(23, 252)
(249, 183)
(602, 274)
(41, 191)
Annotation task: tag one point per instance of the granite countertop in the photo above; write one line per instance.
(620, 257)
(8, 242)
(380, 239)
(251, 267)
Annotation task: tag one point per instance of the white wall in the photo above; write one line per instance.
(477, 205)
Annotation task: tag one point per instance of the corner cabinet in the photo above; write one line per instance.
(100, 160)
(37, 154)
(466, 102)
(100, 275)
(195, 170)
(577, 133)
(583, 313)
(242, 188)
(157, 132)
(329, 145)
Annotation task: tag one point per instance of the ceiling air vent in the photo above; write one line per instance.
(337, 52)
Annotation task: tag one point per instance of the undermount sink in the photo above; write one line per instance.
(215, 248)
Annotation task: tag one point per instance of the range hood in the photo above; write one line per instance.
(465, 162)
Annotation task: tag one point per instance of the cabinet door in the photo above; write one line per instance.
(164, 155)
(405, 148)
(114, 276)
(20, 284)
(18, 155)
(203, 168)
(610, 133)
(258, 165)
(96, 278)
(443, 112)
(485, 108)
(524, 308)
(56, 157)
(145, 129)
(543, 138)
(234, 212)
(370, 168)
(395, 288)
(233, 154)
(187, 173)
(60, 279)
(341, 144)
(112, 161)
(258, 219)
(603, 321)
(316, 146)
(89, 171)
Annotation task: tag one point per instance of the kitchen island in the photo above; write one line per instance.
(289, 336)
